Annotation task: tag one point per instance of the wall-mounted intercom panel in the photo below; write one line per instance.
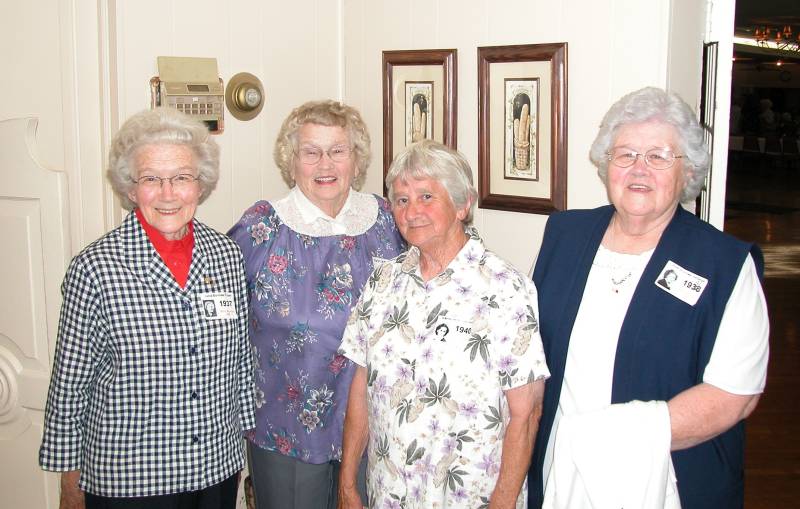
(193, 86)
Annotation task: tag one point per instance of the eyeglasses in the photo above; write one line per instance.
(313, 155)
(655, 158)
(179, 181)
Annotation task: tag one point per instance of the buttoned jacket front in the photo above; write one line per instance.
(148, 396)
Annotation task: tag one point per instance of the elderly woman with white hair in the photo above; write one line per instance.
(307, 256)
(151, 394)
(654, 325)
(450, 365)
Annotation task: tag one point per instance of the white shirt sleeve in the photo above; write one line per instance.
(738, 363)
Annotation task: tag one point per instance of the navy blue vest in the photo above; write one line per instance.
(664, 344)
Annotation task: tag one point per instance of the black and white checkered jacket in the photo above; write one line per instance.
(147, 396)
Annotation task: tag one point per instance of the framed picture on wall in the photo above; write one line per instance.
(520, 140)
(419, 99)
(418, 109)
(522, 125)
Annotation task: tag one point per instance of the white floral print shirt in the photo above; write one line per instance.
(439, 356)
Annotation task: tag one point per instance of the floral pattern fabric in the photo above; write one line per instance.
(301, 290)
(439, 356)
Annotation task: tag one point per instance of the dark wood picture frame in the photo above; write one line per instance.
(520, 195)
(421, 60)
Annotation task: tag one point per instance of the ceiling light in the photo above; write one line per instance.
(779, 38)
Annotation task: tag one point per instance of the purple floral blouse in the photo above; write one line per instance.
(301, 289)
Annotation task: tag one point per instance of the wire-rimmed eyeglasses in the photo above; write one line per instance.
(655, 158)
(176, 181)
(313, 155)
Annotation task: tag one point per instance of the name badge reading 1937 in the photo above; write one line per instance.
(681, 283)
(218, 306)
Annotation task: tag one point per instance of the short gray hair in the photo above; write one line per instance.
(431, 159)
(161, 126)
(655, 104)
(331, 114)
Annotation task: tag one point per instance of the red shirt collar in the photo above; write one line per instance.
(176, 254)
(162, 244)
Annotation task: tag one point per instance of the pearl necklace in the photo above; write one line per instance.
(616, 282)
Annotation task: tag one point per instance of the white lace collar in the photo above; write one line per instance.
(311, 212)
(358, 214)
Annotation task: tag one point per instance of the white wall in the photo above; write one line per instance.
(614, 46)
(293, 47)
(319, 49)
(312, 49)
(685, 64)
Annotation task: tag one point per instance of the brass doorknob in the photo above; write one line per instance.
(244, 96)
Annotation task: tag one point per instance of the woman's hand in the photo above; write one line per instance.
(71, 494)
(349, 497)
(354, 440)
(525, 407)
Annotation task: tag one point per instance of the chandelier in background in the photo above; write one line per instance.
(783, 39)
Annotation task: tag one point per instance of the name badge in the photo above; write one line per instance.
(455, 330)
(218, 306)
(681, 283)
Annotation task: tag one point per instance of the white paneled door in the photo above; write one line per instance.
(33, 257)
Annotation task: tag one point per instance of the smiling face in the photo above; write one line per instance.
(640, 192)
(426, 216)
(166, 208)
(327, 183)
